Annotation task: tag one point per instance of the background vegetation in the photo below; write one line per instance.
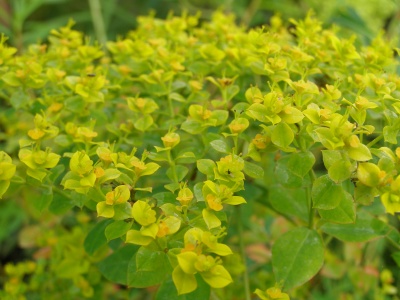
(28, 21)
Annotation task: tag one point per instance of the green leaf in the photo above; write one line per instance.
(143, 123)
(396, 258)
(185, 283)
(44, 200)
(283, 174)
(61, 204)
(71, 268)
(300, 163)
(187, 261)
(139, 273)
(11, 79)
(211, 219)
(360, 153)
(330, 157)
(37, 174)
(186, 157)
(282, 135)
(109, 174)
(365, 228)
(143, 213)
(19, 99)
(326, 194)
(218, 277)
(231, 91)
(253, 170)
(220, 116)
(115, 266)
(368, 174)
(117, 229)
(75, 104)
(344, 213)
(180, 171)
(167, 291)
(292, 202)
(151, 168)
(390, 134)
(149, 260)
(341, 170)
(96, 237)
(297, 256)
(105, 210)
(4, 184)
(291, 115)
(165, 197)
(206, 166)
(192, 126)
(220, 146)
(364, 194)
(259, 112)
(136, 237)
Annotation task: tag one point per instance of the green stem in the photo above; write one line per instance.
(243, 254)
(235, 143)
(251, 11)
(98, 21)
(171, 107)
(170, 104)
(375, 140)
(394, 244)
(172, 165)
(311, 210)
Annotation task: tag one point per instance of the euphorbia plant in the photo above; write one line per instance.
(168, 143)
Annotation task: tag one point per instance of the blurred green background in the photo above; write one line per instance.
(29, 21)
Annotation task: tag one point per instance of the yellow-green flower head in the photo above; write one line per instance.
(261, 141)
(185, 196)
(231, 162)
(121, 194)
(104, 154)
(168, 226)
(273, 293)
(238, 125)
(81, 163)
(38, 159)
(143, 213)
(7, 169)
(85, 133)
(171, 139)
(229, 168)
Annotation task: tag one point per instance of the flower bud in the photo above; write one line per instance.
(171, 139)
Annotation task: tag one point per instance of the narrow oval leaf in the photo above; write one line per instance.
(117, 229)
(297, 256)
(360, 153)
(206, 166)
(220, 146)
(253, 170)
